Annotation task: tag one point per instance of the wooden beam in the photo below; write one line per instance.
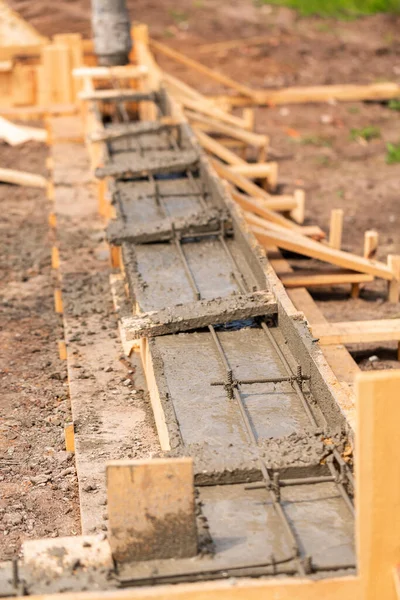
(358, 332)
(265, 170)
(279, 203)
(336, 228)
(316, 94)
(200, 68)
(305, 278)
(302, 245)
(339, 588)
(120, 95)
(262, 208)
(371, 239)
(151, 509)
(216, 148)
(394, 285)
(22, 178)
(312, 231)
(56, 82)
(213, 125)
(119, 72)
(377, 482)
(213, 111)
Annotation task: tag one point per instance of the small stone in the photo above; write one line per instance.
(373, 358)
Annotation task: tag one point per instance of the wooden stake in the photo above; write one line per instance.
(371, 239)
(151, 509)
(394, 285)
(216, 148)
(62, 350)
(55, 258)
(336, 228)
(69, 434)
(58, 304)
(378, 482)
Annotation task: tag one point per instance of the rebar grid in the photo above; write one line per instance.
(271, 485)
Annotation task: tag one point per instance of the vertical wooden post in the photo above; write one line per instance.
(69, 433)
(371, 238)
(394, 285)
(298, 214)
(23, 85)
(58, 303)
(151, 509)
(336, 228)
(74, 43)
(378, 482)
(56, 77)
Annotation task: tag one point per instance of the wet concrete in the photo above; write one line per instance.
(158, 162)
(232, 441)
(200, 314)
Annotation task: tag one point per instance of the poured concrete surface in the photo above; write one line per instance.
(204, 413)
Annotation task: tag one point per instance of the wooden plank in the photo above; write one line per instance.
(378, 482)
(262, 208)
(307, 247)
(339, 588)
(336, 228)
(196, 66)
(299, 279)
(75, 47)
(238, 133)
(213, 111)
(316, 94)
(32, 113)
(23, 85)
(22, 178)
(358, 332)
(151, 509)
(279, 203)
(264, 170)
(56, 80)
(312, 231)
(202, 313)
(118, 72)
(19, 134)
(216, 148)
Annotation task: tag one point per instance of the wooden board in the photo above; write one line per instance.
(307, 247)
(357, 332)
(306, 278)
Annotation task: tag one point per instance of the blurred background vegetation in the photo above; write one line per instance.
(345, 9)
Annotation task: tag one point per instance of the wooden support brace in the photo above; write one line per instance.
(22, 178)
(312, 231)
(371, 239)
(265, 170)
(336, 228)
(214, 125)
(196, 66)
(299, 279)
(357, 332)
(122, 95)
(394, 284)
(307, 247)
(151, 509)
(378, 482)
(216, 148)
(119, 72)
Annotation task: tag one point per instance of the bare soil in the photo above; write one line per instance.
(39, 492)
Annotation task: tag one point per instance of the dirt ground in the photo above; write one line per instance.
(317, 153)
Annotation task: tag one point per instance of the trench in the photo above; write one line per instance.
(244, 399)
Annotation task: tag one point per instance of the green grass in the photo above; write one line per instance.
(394, 104)
(392, 153)
(366, 133)
(316, 140)
(338, 8)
